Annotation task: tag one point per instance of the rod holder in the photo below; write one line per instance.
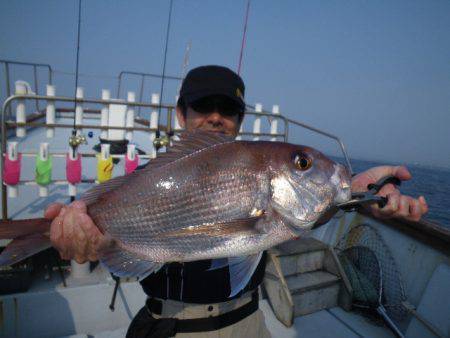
(21, 89)
(274, 122)
(131, 151)
(155, 99)
(79, 108)
(257, 122)
(106, 95)
(131, 97)
(50, 112)
(105, 148)
(79, 270)
(13, 190)
(43, 155)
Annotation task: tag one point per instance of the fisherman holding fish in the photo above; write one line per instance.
(203, 295)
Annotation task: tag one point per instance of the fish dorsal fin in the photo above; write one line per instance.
(95, 192)
(189, 143)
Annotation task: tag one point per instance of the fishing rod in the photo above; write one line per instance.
(76, 139)
(158, 142)
(185, 64)
(243, 37)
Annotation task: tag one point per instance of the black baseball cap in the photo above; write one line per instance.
(212, 80)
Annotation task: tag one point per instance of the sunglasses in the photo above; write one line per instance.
(220, 104)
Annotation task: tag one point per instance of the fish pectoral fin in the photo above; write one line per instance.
(245, 225)
(218, 263)
(241, 270)
(123, 263)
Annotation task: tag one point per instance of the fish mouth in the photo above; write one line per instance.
(342, 178)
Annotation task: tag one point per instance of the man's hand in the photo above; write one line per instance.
(73, 233)
(399, 206)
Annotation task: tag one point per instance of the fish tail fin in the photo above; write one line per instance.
(11, 229)
(23, 247)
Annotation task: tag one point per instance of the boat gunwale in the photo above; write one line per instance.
(426, 231)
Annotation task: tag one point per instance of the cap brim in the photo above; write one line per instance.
(188, 99)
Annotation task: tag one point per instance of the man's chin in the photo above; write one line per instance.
(223, 132)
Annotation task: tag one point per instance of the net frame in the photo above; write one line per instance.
(392, 284)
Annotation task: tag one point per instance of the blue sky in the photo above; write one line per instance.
(376, 73)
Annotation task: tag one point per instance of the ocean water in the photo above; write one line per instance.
(433, 183)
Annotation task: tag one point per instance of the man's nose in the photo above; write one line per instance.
(215, 117)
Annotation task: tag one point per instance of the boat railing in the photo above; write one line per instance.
(34, 66)
(122, 77)
(142, 76)
(50, 74)
(161, 132)
(290, 122)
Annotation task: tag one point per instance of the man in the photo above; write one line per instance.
(212, 99)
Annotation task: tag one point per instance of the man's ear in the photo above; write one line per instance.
(180, 117)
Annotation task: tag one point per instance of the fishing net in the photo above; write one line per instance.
(363, 270)
(391, 285)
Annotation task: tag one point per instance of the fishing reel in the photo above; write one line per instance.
(76, 140)
(163, 141)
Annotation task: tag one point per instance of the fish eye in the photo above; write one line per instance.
(302, 162)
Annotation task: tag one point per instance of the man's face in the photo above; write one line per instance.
(216, 114)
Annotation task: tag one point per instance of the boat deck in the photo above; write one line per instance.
(331, 323)
(82, 307)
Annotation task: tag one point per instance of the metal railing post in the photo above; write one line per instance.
(8, 86)
(35, 76)
(141, 93)
(36, 85)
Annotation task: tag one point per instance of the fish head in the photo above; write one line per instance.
(305, 184)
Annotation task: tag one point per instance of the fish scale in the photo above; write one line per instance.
(197, 210)
(191, 215)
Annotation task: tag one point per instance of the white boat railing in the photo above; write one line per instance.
(160, 134)
(115, 117)
(8, 64)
